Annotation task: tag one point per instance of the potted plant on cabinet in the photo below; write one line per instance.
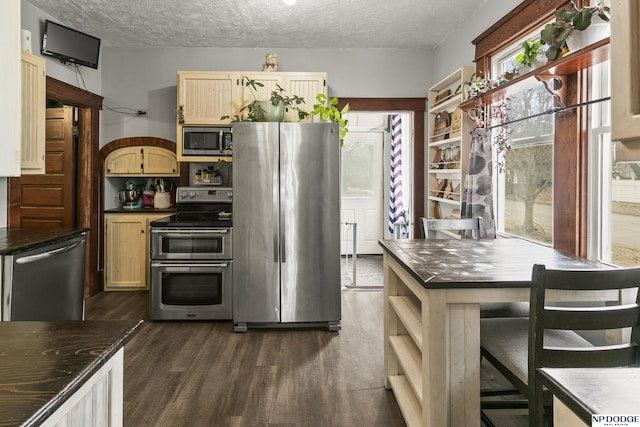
(531, 56)
(329, 112)
(271, 110)
(557, 35)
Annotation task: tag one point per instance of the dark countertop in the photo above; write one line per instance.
(43, 363)
(595, 391)
(19, 239)
(168, 211)
(468, 263)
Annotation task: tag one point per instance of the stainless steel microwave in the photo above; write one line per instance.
(206, 141)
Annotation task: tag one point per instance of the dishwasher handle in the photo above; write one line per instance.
(49, 254)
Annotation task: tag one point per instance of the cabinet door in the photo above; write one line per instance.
(269, 80)
(125, 255)
(10, 88)
(203, 97)
(159, 161)
(625, 70)
(307, 86)
(32, 150)
(124, 161)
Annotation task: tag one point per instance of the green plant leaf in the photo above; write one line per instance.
(603, 15)
(548, 33)
(564, 34)
(582, 20)
(553, 53)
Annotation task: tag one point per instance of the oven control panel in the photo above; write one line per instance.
(203, 195)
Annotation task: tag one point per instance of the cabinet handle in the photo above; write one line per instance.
(142, 231)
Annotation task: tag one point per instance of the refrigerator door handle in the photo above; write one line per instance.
(283, 249)
(276, 216)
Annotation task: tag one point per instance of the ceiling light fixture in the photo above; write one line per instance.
(289, 2)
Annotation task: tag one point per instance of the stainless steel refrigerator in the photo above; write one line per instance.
(286, 225)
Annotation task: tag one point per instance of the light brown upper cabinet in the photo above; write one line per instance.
(625, 70)
(307, 86)
(33, 142)
(141, 161)
(204, 97)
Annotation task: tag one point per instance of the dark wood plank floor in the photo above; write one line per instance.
(203, 374)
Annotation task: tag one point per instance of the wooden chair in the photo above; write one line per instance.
(548, 338)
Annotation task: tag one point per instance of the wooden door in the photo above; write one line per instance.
(48, 200)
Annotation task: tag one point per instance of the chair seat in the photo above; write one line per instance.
(504, 342)
(504, 309)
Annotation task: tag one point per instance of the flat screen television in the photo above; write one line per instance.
(69, 45)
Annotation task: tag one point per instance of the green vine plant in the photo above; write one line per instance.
(529, 51)
(555, 34)
(278, 96)
(329, 111)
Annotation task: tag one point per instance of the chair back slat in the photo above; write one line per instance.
(592, 318)
(597, 357)
(584, 280)
(431, 227)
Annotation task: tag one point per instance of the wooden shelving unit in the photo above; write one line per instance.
(404, 358)
(448, 149)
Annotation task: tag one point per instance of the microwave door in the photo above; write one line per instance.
(201, 141)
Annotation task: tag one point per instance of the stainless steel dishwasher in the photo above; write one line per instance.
(45, 283)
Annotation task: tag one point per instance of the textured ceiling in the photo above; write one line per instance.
(264, 23)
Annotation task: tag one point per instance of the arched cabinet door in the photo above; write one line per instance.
(141, 161)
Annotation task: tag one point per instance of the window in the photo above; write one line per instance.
(525, 188)
(524, 201)
(614, 184)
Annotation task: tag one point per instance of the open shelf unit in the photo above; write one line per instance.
(404, 347)
(448, 147)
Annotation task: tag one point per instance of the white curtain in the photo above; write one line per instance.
(477, 199)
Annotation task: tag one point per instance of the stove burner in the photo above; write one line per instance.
(200, 207)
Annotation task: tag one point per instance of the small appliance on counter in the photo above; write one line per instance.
(129, 198)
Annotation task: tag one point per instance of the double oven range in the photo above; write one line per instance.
(192, 259)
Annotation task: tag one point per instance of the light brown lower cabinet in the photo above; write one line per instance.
(126, 255)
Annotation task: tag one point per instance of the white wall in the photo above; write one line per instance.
(457, 50)
(145, 78)
(32, 19)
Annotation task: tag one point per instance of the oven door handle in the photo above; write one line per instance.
(164, 264)
(189, 231)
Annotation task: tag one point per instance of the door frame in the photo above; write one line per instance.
(87, 201)
(418, 107)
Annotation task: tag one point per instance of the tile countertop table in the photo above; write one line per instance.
(44, 366)
(580, 393)
(433, 290)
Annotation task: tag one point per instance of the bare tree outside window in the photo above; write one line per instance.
(528, 175)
